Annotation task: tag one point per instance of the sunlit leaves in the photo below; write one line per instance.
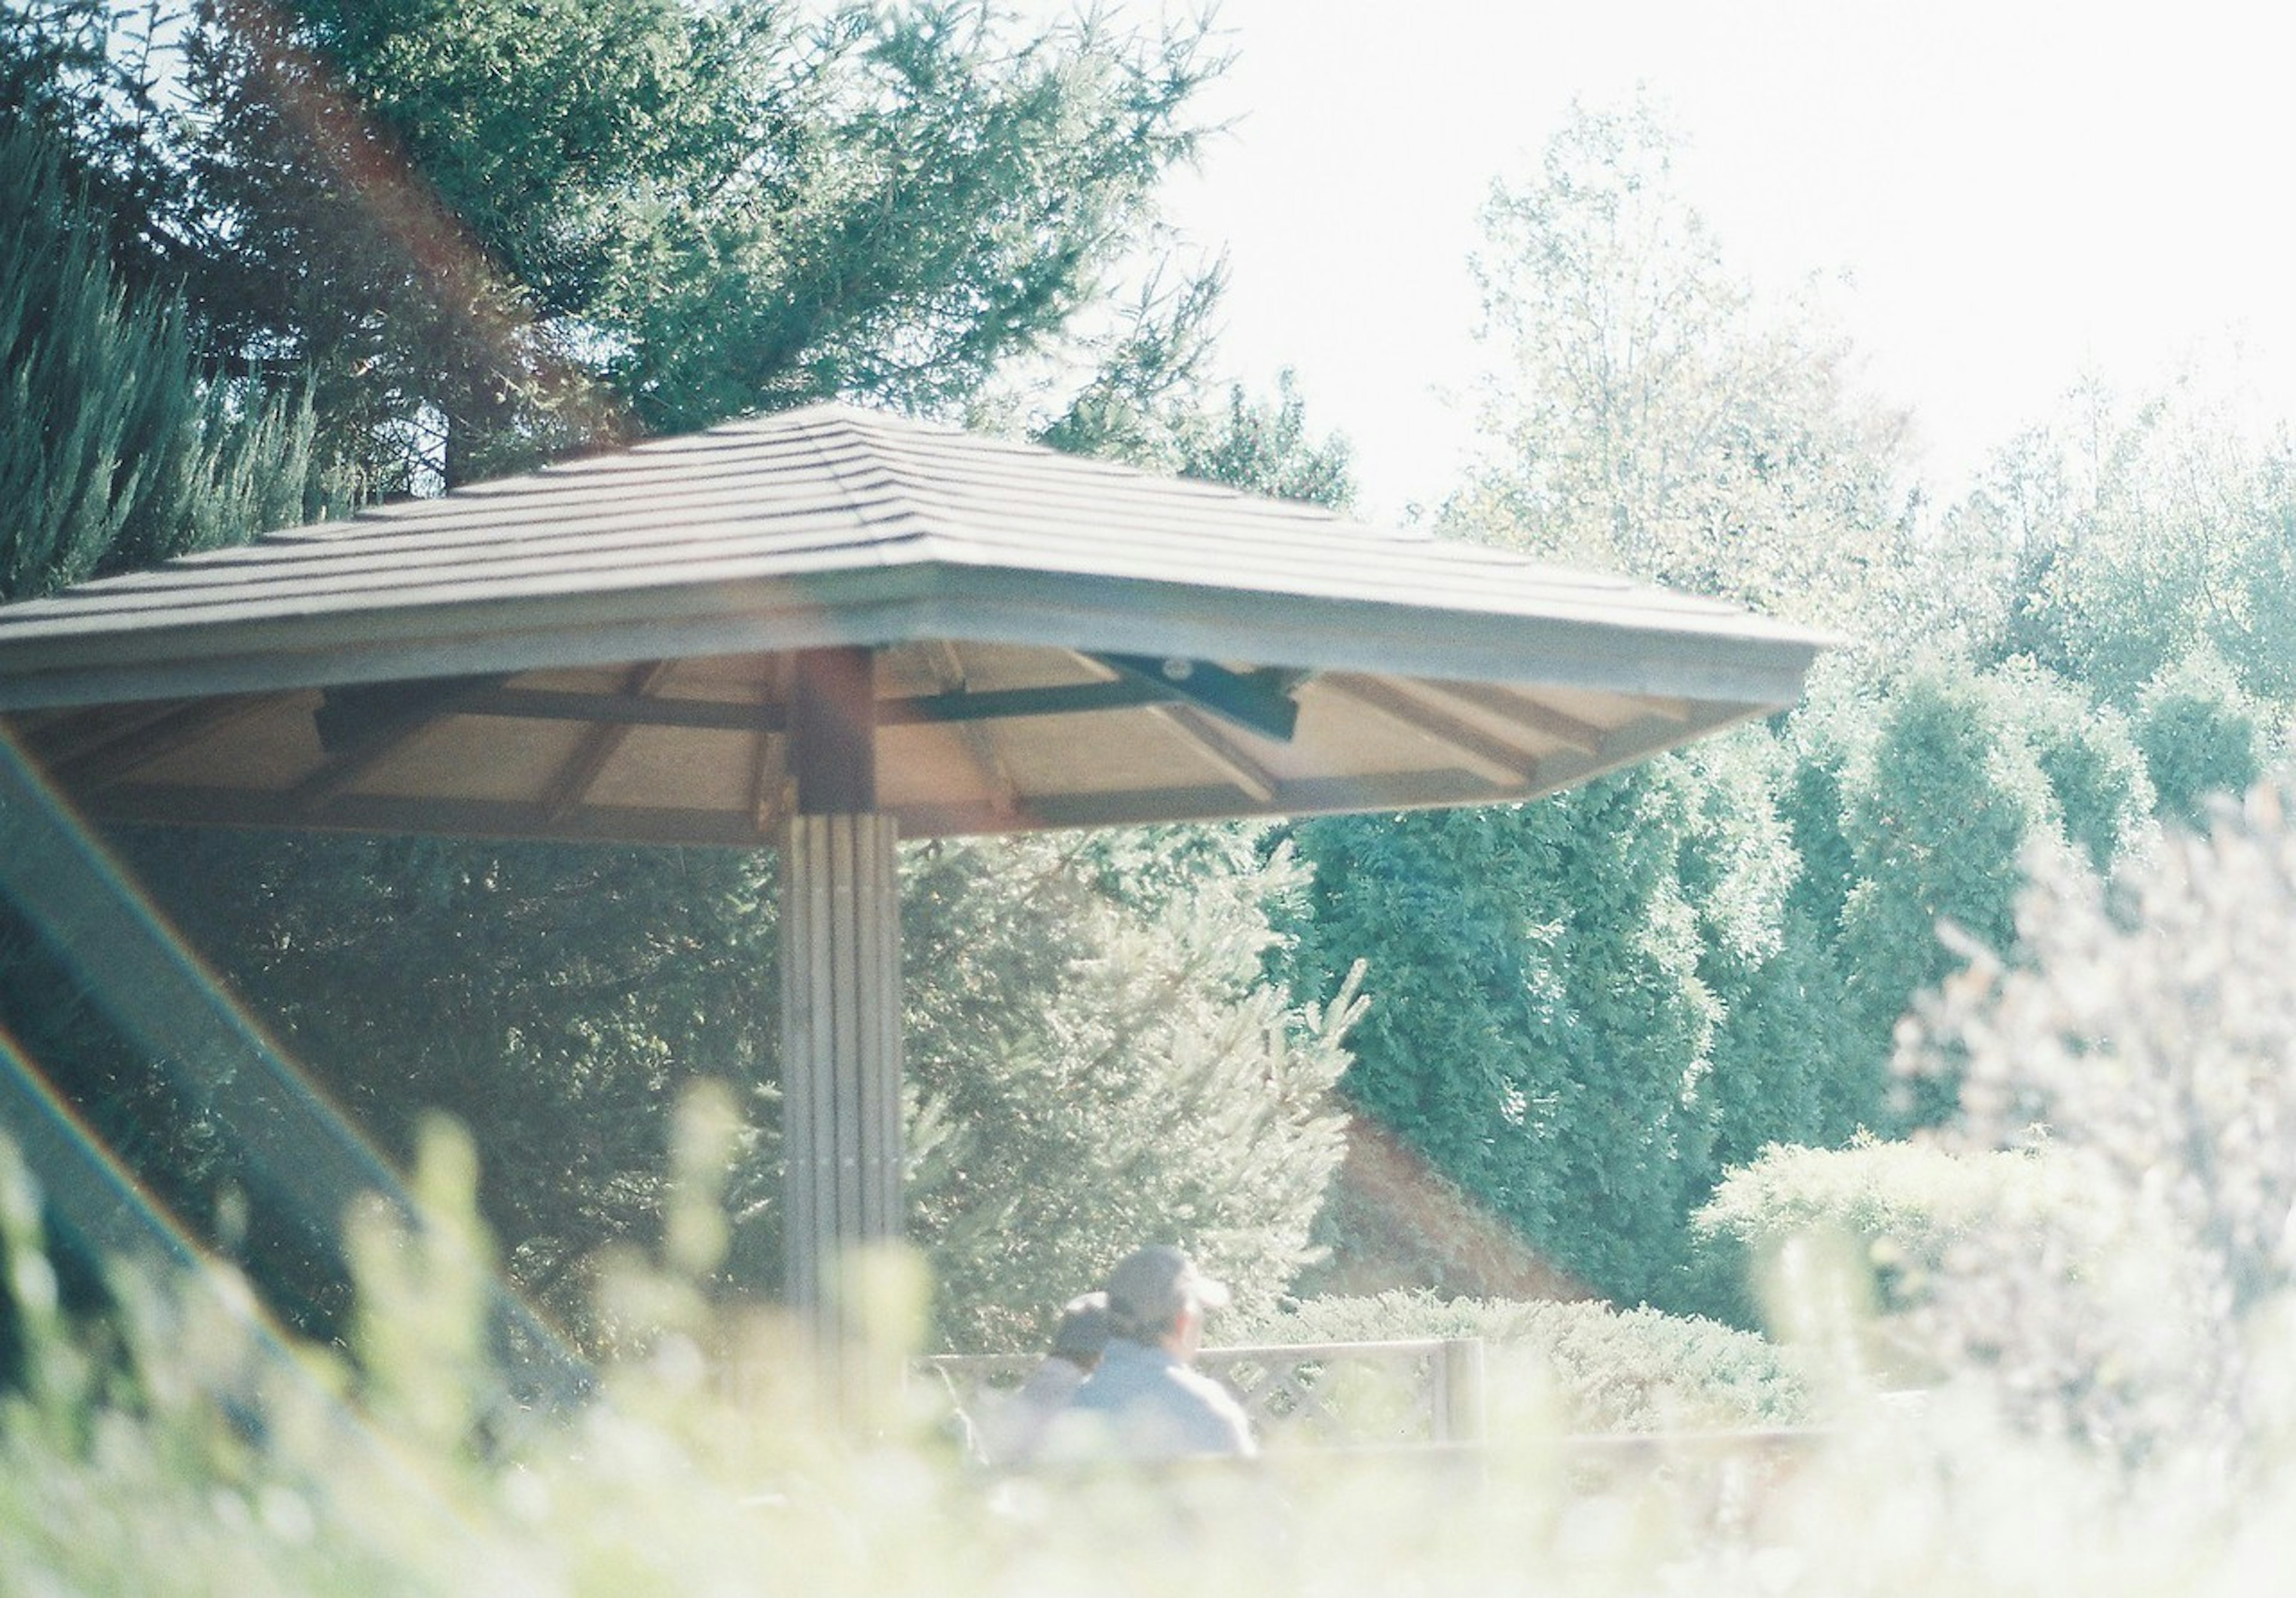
(1644, 411)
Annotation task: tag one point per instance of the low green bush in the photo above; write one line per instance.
(1606, 1369)
(1901, 1204)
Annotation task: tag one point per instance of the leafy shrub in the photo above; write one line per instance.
(2202, 734)
(1901, 1207)
(1609, 1371)
(2150, 1032)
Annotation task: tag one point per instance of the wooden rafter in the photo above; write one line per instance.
(996, 777)
(947, 665)
(1198, 730)
(363, 749)
(1495, 760)
(726, 716)
(76, 734)
(1527, 708)
(575, 779)
(97, 767)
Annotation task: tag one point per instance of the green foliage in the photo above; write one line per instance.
(1583, 1013)
(1258, 445)
(2089, 755)
(1914, 803)
(83, 76)
(1610, 1371)
(2201, 735)
(180, 1446)
(1940, 811)
(1537, 1026)
(1903, 1205)
(414, 979)
(2129, 535)
(1145, 384)
(1172, 1092)
(499, 229)
(116, 451)
(2144, 1040)
(1779, 1070)
(1645, 412)
(1263, 447)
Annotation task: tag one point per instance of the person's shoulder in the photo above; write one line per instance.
(1054, 1382)
(1210, 1391)
(1220, 1407)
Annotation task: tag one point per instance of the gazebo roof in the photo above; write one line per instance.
(602, 650)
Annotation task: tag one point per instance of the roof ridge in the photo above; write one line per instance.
(903, 513)
(898, 444)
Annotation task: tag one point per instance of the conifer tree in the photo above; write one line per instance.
(115, 449)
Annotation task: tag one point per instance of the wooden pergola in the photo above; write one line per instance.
(826, 629)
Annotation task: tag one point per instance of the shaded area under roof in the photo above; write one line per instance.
(604, 650)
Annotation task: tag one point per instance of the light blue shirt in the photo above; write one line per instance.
(1144, 1402)
(1012, 1432)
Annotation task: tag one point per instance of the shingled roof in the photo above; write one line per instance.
(601, 649)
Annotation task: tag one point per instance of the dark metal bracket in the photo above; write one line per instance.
(1259, 701)
(354, 715)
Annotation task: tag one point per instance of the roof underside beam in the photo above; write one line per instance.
(633, 709)
(1253, 700)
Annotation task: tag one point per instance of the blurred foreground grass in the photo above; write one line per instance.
(178, 1446)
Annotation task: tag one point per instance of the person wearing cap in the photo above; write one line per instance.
(1144, 1401)
(1013, 1431)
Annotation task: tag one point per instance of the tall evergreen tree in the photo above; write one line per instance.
(501, 230)
(1535, 1024)
(116, 448)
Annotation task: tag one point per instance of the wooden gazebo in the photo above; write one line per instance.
(828, 628)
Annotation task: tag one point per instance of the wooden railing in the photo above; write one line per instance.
(1327, 1395)
(1418, 1406)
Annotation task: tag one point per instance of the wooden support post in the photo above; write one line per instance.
(841, 1000)
(833, 730)
(1459, 1391)
(840, 1042)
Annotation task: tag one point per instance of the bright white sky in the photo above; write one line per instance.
(2019, 191)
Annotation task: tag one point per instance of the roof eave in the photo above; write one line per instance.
(1741, 659)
